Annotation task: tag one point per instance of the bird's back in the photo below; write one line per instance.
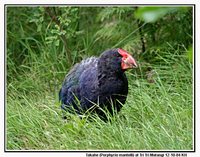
(77, 84)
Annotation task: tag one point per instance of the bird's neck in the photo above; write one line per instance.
(110, 75)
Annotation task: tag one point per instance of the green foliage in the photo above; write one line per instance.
(190, 54)
(108, 13)
(158, 112)
(152, 14)
(166, 27)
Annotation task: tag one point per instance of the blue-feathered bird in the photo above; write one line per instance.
(97, 83)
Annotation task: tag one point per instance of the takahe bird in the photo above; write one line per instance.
(97, 83)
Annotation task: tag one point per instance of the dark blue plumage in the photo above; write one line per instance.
(99, 81)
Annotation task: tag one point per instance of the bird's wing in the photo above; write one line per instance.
(71, 88)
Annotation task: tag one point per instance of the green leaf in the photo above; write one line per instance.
(57, 42)
(39, 28)
(152, 14)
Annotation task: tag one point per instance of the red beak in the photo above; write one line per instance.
(128, 62)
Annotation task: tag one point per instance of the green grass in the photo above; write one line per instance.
(156, 115)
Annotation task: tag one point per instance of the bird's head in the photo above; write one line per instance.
(117, 60)
(127, 61)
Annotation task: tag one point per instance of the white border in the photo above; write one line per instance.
(97, 2)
